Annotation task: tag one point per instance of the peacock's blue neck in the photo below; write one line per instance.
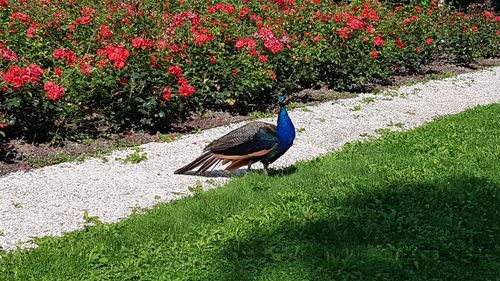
(285, 129)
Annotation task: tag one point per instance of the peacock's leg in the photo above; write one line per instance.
(266, 168)
(249, 167)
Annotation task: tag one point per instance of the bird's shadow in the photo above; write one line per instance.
(242, 172)
(286, 171)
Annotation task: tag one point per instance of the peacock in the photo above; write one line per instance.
(246, 145)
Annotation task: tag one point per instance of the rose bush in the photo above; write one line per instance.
(67, 65)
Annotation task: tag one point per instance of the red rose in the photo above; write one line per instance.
(245, 42)
(200, 38)
(378, 41)
(175, 70)
(54, 91)
(186, 90)
(213, 59)
(123, 80)
(182, 81)
(104, 31)
(253, 53)
(374, 54)
(18, 77)
(83, 20)
(7, 54)
(139, 42)
(31, 31)
(34, 72)
(58, 71)
(118, 55)
(20, 16)
(167, 94)
(273, 45)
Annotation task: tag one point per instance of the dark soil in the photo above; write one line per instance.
(18, 155)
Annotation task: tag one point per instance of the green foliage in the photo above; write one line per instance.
(91, 220)
(396, 124)
(357, 107)
(165, 137)
(135, 157)
(196, 189)
(419, 205)
(113, 60)
(368, 100)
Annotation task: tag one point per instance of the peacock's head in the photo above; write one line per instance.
(283, 100)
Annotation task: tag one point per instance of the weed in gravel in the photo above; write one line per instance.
(91, 220)
(259, 114)
(178, 193)
(135, 157)
(391, 94)
(356, 108)
(368, 100)
(415, 91)
(383, 131)
(212, 182)
(196, 189)
(441, 76)
(396, 124)
(165, 137)
(367, 136)
(298, 105)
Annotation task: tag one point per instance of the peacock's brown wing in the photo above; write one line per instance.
(248, 139)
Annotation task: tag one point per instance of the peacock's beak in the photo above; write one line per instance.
(285, 101)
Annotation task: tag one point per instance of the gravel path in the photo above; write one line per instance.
(52, 200)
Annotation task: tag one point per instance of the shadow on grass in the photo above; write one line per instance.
(283, 171)
(443, 230)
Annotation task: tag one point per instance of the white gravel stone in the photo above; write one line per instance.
(53, 199)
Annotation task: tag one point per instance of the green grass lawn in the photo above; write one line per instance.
(420, 205)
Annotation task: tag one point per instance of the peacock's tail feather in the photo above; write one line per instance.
(235, 164)
(209, 159)
(195, 163)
